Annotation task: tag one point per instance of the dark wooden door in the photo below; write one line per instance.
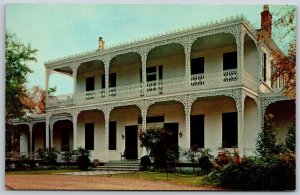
(172, 139)
(131, 149)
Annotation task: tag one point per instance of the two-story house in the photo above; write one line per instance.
(210, 85)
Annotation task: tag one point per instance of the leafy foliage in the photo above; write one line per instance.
(284, 63)
(266, 143)
(145, 162)
(83, 158)
(290, 140)
(157, 142)
(276, 172)
(68, 155)
(35, 100)
(48, 155)
(17, 55)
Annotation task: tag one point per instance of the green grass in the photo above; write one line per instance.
(39, 172)
(178, 179)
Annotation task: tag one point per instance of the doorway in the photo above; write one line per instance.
(131, 147)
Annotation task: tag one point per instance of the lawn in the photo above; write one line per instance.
(180, 179)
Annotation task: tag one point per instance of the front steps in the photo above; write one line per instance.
(128, 166)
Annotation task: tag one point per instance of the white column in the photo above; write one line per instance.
(47, 131)
(144, 128)
(240, 110)
(187, 109)
(144, 72)
(240, 54)
(106, 72)
(47, 74)
(187, 44)
(75, 115)
(106, 137)
(74, 79)
(30, 139)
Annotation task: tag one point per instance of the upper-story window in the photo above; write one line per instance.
(90, 83)
(264, 67)
(230, 60)
(112, 80)
(197, 65)
(154, 73)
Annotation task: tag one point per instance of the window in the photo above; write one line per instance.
(89, 136)
(152, 119)
(264, 67)
(229, 130)
(64, 139)
(230, 60)
(197, 65)
(154, 73)
(112, 135)
(90, 84)
(197, 131)
(112, 82)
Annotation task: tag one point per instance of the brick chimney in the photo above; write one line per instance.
(101, 44)
(266, 22)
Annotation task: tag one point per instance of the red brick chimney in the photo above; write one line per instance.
(266, 21)
(101, 44)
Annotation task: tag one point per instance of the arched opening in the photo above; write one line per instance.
(91, 133)
(89, 83)
(284, 113)
(63, 135)
(214, 123)
(38, 136)
(170, 116)
(120, 83)
(124, 127)
(251, 127)
(21, 141)
(214, 60)
(164, 67)
(61, 79)
(251, 63)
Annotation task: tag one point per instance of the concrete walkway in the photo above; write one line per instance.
(102, 172)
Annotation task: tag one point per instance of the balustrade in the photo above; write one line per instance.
(165, 86)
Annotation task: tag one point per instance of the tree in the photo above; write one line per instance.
(17, 55)
(266, 144)
(35, 100)
(284, 62)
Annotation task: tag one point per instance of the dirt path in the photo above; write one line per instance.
(71, 182)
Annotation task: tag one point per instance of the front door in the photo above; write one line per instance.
(172, 140)
(131, 149)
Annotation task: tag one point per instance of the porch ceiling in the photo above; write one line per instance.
(213, 41)
(165, 51)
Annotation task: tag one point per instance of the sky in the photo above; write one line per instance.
(59, 30)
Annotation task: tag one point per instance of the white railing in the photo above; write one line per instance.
(89, 96)
(165, 86)
(61, 100)
(125, 92)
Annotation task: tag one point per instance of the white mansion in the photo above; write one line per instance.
(210, 85)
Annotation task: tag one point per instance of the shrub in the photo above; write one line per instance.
(158, 143)
(290, 140)
(276, 172)
(68, 155)
(83, 158)
(48, 155)
(266, 144)
(145, 162)
(223, 158)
